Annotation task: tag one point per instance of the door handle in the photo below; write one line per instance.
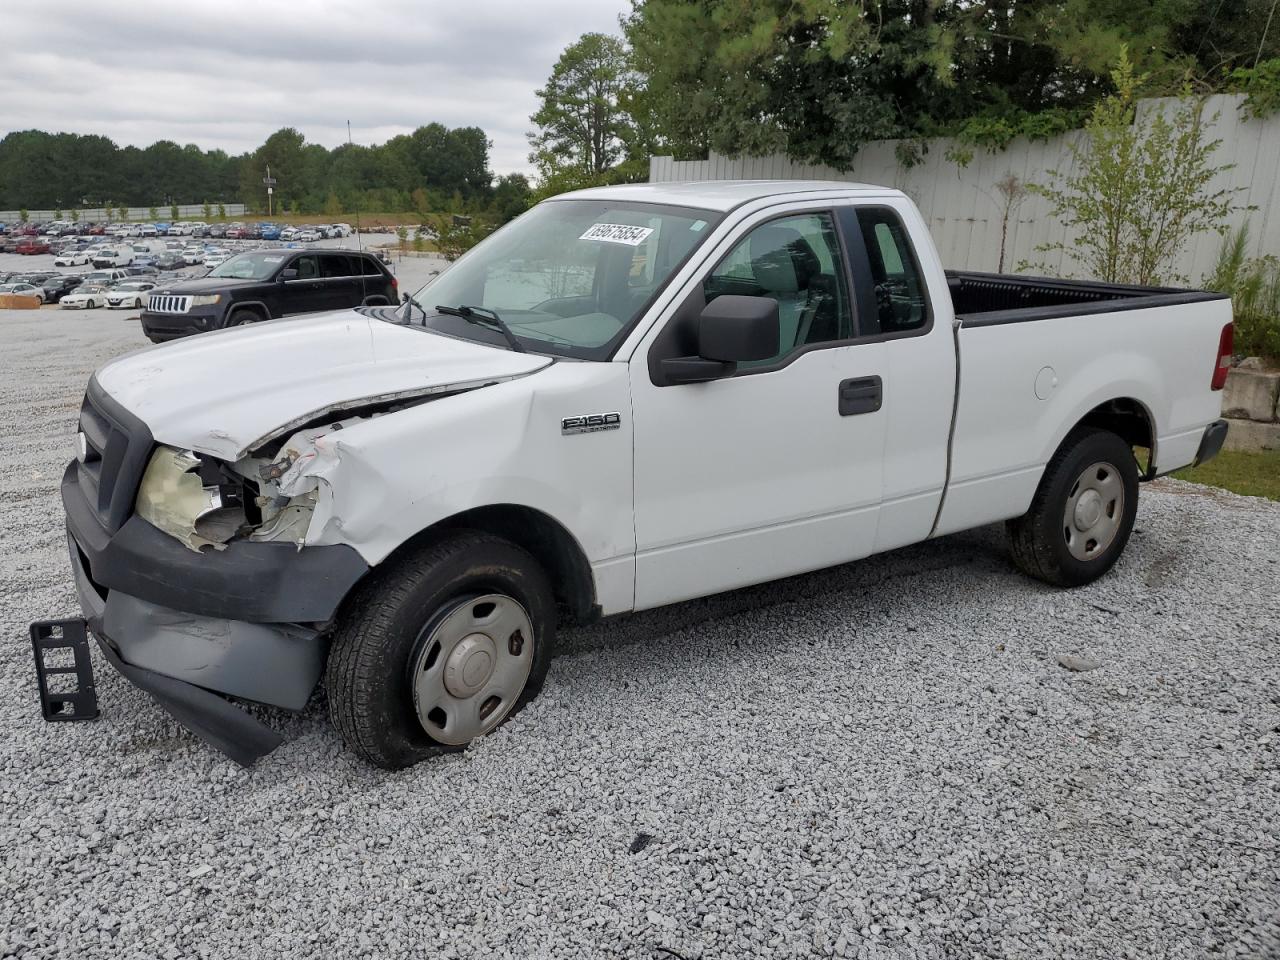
(860, 395)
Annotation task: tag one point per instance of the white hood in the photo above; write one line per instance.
(223, 393)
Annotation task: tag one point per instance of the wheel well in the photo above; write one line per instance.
(252, 307)
(1130, 421)
(544, 538)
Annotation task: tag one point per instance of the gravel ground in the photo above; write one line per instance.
(884, 760)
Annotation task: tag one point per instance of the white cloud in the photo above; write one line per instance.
(227, 73)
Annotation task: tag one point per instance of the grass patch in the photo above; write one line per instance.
(1250, 474)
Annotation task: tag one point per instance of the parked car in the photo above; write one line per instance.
(87, 296)
(288, 233)
(118, 256)
(148, 230)
(129, 293)
(140, 268)
(267, 284)
(55, 288)
(217, 231)
(37, 277)
(170, 261)
(269, 231)
(21, 289)
(163, 229)
(338, 230)
(71, 257)
(31, 246)
(309, 234)
(108, 277)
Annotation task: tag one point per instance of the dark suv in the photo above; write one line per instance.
(265, 285)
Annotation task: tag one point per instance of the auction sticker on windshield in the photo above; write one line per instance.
(617, 233)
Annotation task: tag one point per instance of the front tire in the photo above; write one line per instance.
(439, 649)
(1083, 511)
(240, 318)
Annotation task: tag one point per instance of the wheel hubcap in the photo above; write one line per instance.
(1094, 510)
(471, 666)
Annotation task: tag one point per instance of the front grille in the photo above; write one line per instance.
(168, 304)
(117, 445)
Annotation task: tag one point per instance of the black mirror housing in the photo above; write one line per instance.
(737, 329)
(288, 273)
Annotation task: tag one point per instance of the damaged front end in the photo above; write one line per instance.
(205, 503)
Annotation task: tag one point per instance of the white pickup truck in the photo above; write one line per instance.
(628, 397)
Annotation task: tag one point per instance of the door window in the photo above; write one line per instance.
(901, 304)
(307, 268)
(335, 265)
(795, 261)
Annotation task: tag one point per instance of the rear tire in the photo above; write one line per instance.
(432, 642)
(1083, 511)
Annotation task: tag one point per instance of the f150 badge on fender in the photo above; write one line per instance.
(591, 423)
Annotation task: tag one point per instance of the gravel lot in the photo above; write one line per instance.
(884, 760)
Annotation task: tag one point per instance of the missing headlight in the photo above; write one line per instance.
(175, 497)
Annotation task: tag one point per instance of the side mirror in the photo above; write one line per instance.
(731, 329)
(288, 273)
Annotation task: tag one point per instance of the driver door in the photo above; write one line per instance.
(775, 470)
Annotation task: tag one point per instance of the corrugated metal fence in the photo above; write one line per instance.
(187, 211)
(963, 206)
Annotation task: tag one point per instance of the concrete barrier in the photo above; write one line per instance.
(13, 301)
(1251, 404)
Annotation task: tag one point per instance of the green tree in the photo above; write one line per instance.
(123, 211)
(512, 196)
(153, 214)
(23, 215)
(1138, 189)
(222, 211)
(173, 211)
(208, 211)
(332, 205)
(57, 214)
(75, 216)
(582, 123)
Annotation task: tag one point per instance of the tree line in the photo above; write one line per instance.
(818, 79)
(434, 168)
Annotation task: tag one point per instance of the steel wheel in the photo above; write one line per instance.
(1094, 510)
(471, 667)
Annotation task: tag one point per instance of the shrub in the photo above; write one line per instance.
(1137, 190)
(1254, 286)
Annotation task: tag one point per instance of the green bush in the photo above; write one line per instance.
(1254, 286)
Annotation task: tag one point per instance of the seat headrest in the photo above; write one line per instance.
(782, 260)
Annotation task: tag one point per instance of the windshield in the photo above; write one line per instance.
(258, 265)
(569, 277)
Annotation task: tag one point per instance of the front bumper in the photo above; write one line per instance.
(189, 664)
(170, 326)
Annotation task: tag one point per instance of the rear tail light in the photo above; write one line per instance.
(1226, 344)
(395, 284)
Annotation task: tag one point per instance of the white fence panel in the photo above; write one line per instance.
(963, 207)
(186, 211)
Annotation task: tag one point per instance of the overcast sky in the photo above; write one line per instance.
(226, 73)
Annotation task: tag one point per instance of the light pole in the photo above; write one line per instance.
(270, 182)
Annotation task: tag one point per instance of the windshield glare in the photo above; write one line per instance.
(258, 265)
(570, 276)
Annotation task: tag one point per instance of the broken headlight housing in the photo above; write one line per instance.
(201, 502)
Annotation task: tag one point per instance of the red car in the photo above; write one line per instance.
(34, 245)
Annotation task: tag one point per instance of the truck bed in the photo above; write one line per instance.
(984, 299)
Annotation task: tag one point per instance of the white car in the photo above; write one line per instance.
(85, 297)
(21, 289)
(215, 256)
(71, 258)
(339, 230)
(129, 293)
(308, 235)
(289, 233)
(148, 230)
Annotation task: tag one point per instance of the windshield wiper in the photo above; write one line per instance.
(484, 317)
